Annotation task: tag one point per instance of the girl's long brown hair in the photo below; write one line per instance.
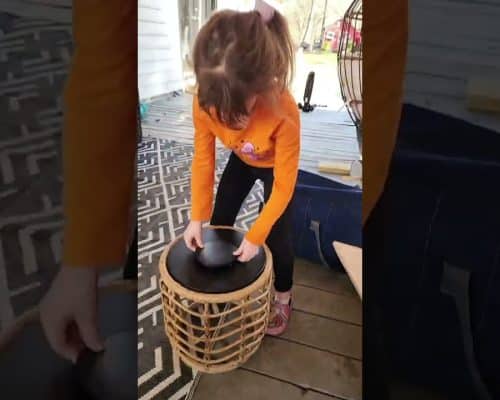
(236, 55)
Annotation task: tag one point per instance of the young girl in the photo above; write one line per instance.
(243, 63)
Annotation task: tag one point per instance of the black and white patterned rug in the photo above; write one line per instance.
(164, 174)
(34, 60)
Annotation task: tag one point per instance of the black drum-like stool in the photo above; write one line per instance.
(30, 369)
(216, 309)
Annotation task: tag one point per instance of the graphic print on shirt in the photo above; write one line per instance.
(249, 150)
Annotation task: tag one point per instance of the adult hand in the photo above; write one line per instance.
(68, 312)
(192, 235)
(246, 251)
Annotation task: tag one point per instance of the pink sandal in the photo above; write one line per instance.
(280, 315)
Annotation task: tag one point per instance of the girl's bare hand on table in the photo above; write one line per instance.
(246, 251)
(192, 235)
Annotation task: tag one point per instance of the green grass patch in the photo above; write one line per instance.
(325, 57)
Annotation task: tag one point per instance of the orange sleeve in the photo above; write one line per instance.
(100, 133)
(385, 41)
(203, 167)
(286, 169)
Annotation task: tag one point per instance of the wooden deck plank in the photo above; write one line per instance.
(324, 278)
(248, 385)
(307, 367)
(455, 107)
(325, 334)
(442, 55)
(327, 304)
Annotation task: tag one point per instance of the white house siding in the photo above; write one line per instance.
(239, 5)
(159, 55)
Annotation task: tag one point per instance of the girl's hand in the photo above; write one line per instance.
(246, 251)
(192, 235)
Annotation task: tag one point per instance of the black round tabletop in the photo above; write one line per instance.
(112, 373)
(214, 269)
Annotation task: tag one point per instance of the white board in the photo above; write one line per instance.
(159, 54)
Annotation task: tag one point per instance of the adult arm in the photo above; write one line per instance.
(99, 139)
(385, 41)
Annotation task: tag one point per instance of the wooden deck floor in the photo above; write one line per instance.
(319, 356)
(451, 41)
(325, 134)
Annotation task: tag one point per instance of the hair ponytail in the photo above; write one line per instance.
(285, 52)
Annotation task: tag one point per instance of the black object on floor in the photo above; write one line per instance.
(307, 107)
(214, 269)
(112, 373)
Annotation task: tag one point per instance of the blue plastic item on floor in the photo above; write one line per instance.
(143, 109)
(324, 211)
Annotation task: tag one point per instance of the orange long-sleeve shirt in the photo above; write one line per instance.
(271, 139)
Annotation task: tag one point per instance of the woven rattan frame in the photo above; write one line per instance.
(350, 63)
(215, 333)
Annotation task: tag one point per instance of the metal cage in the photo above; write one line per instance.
(349, 58)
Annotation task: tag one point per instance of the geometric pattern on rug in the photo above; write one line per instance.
(164, 172)
(34, 61)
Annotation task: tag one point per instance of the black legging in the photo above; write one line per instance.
(130, 268)
(235, 184)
